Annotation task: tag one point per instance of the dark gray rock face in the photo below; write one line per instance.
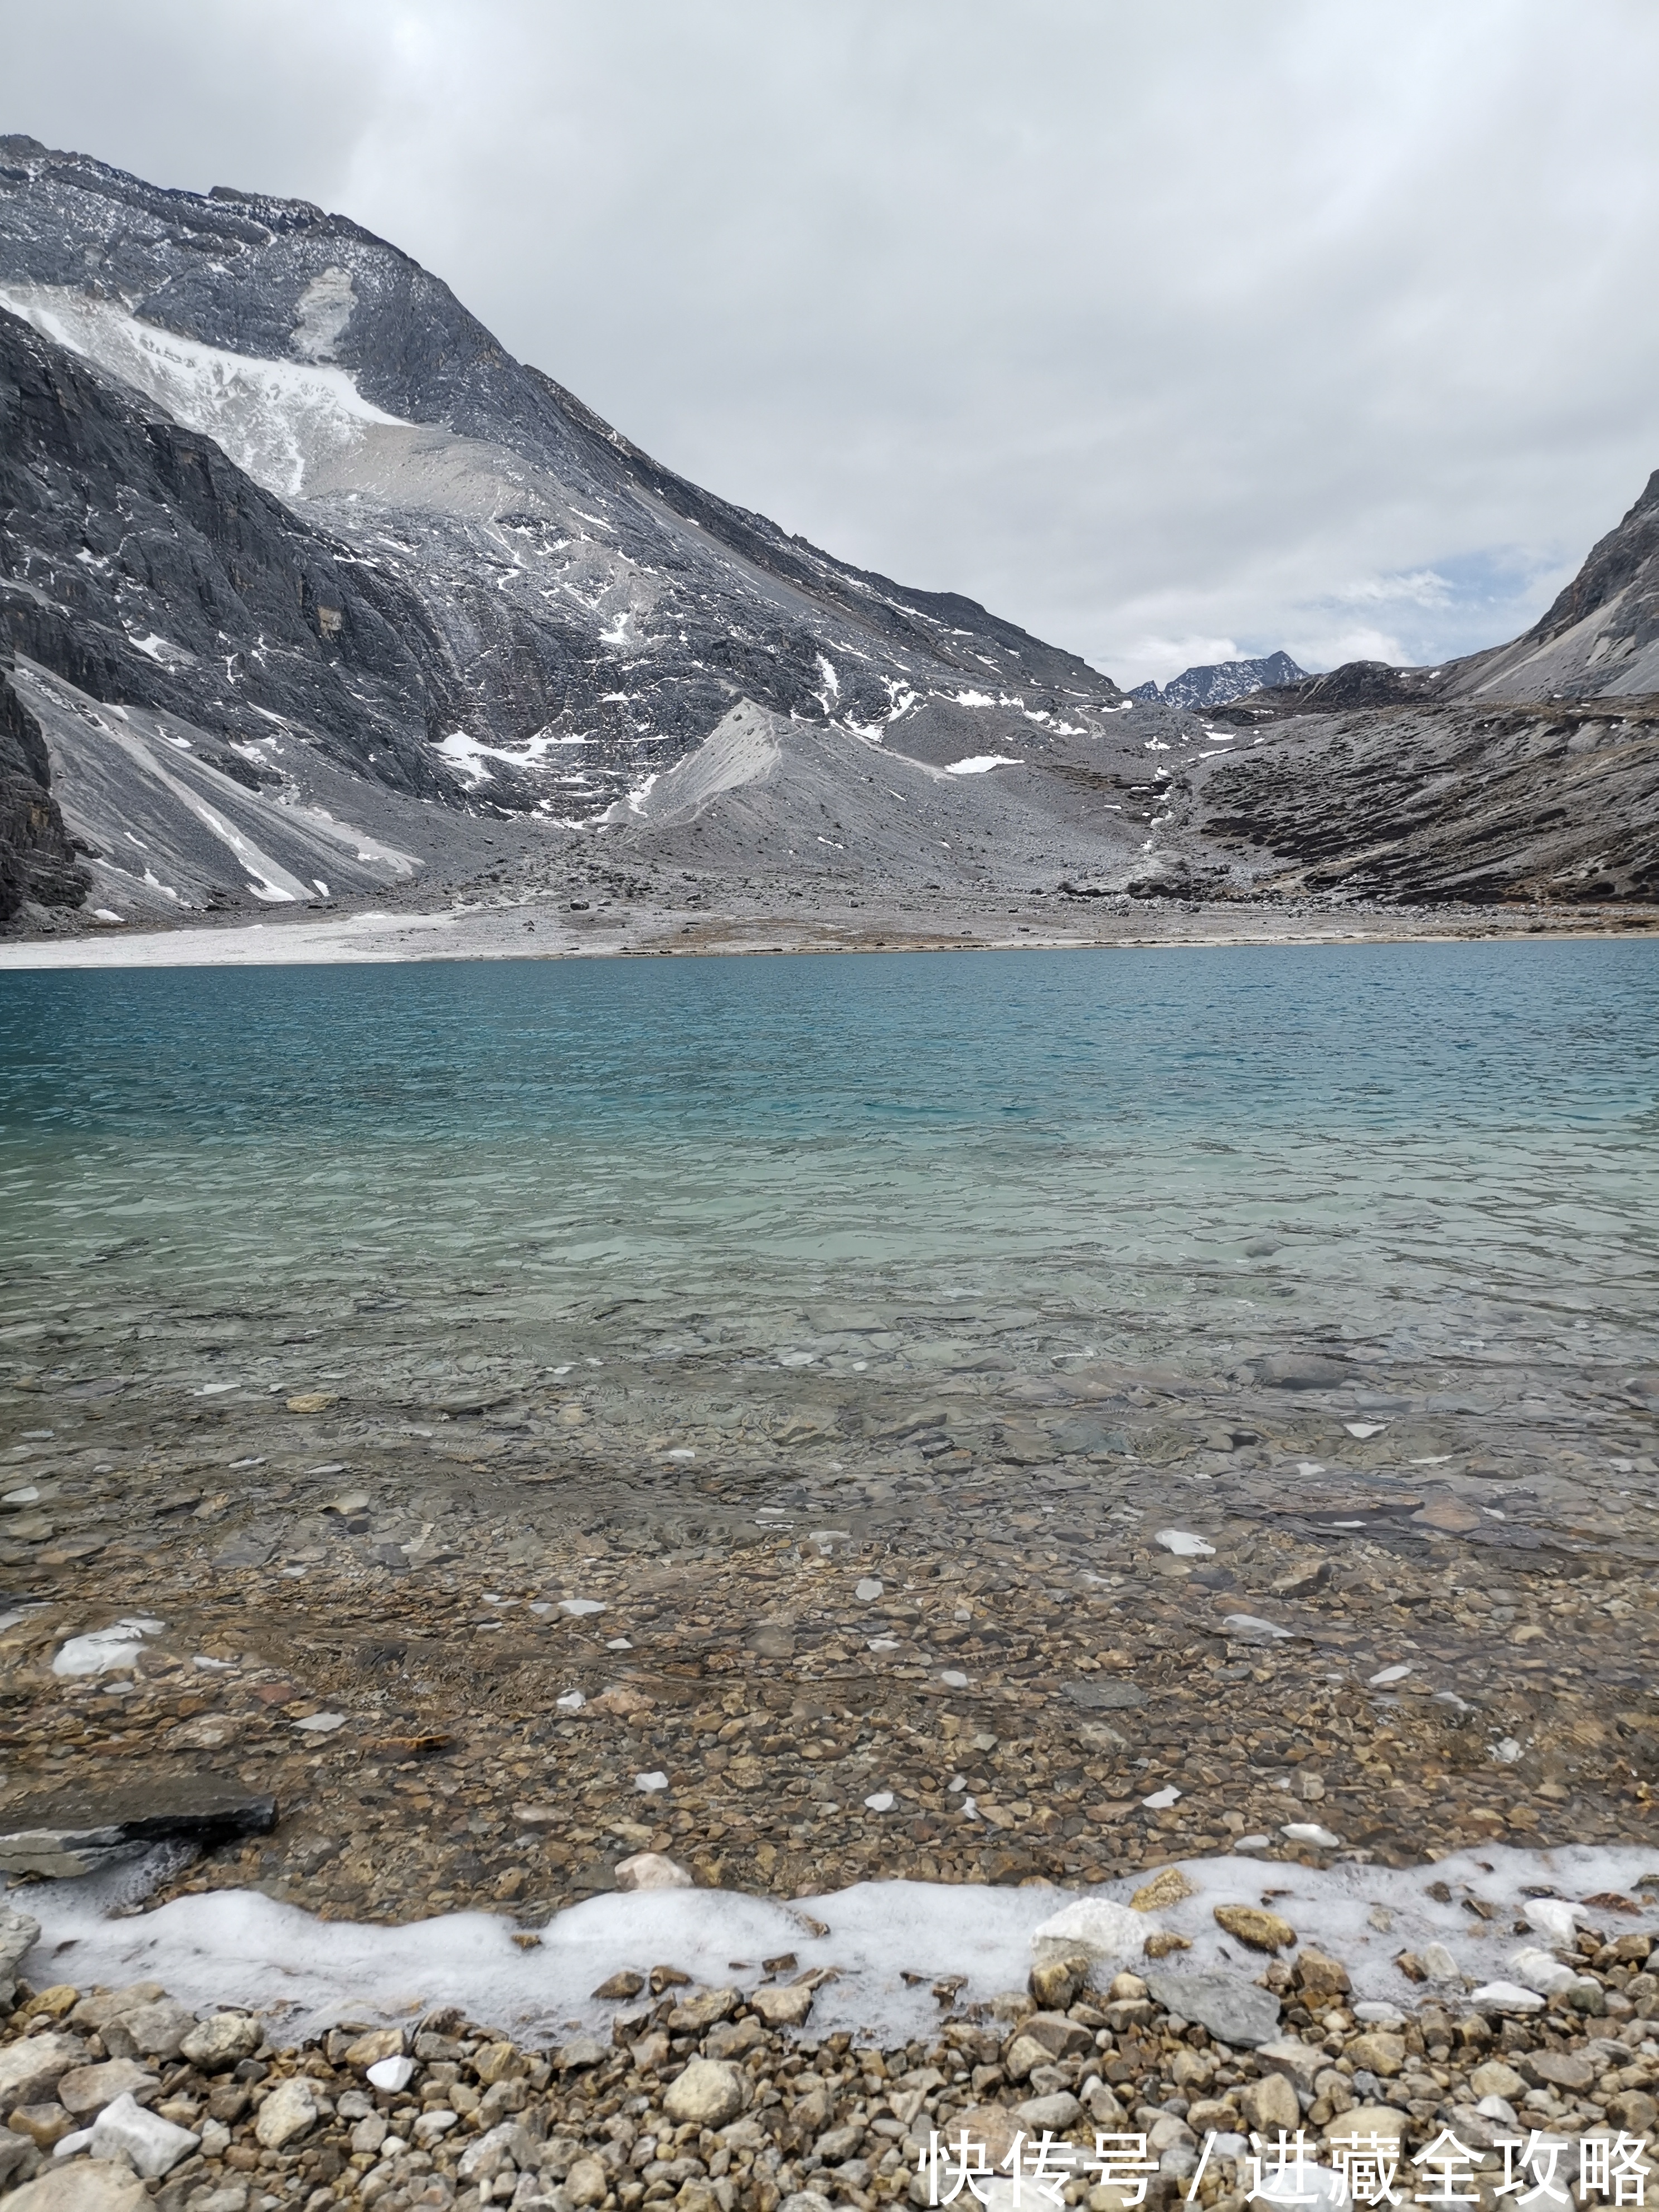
(1443, 800)
(37, 861)
(1217, 683)
(144, 566)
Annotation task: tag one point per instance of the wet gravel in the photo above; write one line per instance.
(953, 1601)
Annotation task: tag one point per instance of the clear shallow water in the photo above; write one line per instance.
(1444, 1146)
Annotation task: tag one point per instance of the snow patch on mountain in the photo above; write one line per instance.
(276, 419)
(467, 754)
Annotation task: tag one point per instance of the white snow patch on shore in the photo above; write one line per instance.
(981, 763)
(241, 1946)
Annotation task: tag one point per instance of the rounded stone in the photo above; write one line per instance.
(289, 2113)
(707, 2095)
(587, 2182)
(1270, 2104)
(221, 2042)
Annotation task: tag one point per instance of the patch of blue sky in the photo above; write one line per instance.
(1422, 616)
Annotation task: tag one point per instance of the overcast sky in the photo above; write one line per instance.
(1167, 330)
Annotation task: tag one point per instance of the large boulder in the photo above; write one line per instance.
(31, 2068)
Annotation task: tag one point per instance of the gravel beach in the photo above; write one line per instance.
(716, 2098)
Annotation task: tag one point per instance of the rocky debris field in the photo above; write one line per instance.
(727, 2099)
(1422, 803)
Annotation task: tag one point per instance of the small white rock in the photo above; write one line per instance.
(150, 2145)
(1542, 1971)
(651, 1782)
(1364, 1429)
(1094, 1926)
(651, 1870)
(868, 1589)
(1556, 1918)
(571, 1702)
(1386, 1675)
(953, 1679)
(321, 1723)
(105, 1650)
(1506, 1996)
(393, 2074)
(1317, 2188)
(579, 1607)
(881, 1800)
(1309, 1832)
(1251, 1629)
(1184, 1544)
(1161, 1800)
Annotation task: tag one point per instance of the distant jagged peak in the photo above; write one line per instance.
(1217, 683)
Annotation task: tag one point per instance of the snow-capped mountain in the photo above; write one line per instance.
(309, 589)
(1217, 683)
(264, 472)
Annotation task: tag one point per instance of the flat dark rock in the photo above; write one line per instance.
(1234, 2010)
(197, 1808)
(1086, 1436)
(1105, 1697)
(243, 1552)
(1304, 1370)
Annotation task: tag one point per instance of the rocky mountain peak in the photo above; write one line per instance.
(1216, 683)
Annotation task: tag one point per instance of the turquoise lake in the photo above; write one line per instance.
(703, 1187)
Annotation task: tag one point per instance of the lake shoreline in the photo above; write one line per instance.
(498, 932)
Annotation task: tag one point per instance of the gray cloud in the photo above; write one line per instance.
(1166, 332)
